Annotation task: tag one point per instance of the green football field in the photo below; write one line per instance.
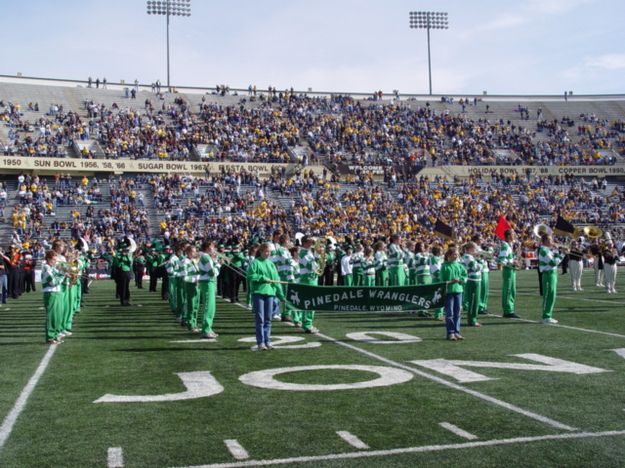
(133, 388)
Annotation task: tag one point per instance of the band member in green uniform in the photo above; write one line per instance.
(548, 261)
(471, 295)
(190, 278)
(51, 281)
(507, 260)
(209, 271)
(308, 274)
(396, 273)
(381, 264)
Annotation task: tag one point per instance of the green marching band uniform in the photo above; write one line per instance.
(396, 273)
(308, 266)
(190, 279)
(179, 269)
(548, 261)
(53, 300)
(369, 272)
(170, 267)
(408, 260)
(423, 276)
(209, 271)
(508, 291)
(357, 260)
(381, 271)
(484, 286)
(293, 277)
(422, 267)
(435, 270)
(66, 315)
(281, 258)
(471, 298)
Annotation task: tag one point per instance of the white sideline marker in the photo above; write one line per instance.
(459, 432)
(115, 458)
(418, 449)
(236, 449)
(20, 404)
(568, 327)
(352, 440)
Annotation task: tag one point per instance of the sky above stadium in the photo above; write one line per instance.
(503, 47)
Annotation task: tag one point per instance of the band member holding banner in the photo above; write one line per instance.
(576, 265)
(263, 279)
(308, 274)
(548, 261)
(455, 275)
(507, 260)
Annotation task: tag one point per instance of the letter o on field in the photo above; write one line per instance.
(397, 337)
(266, 378)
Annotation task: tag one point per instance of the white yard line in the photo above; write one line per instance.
(115, 458)
(456, 430)
(20, 404)
(559, 325)
(482, 396)
(352, 440)
(434, 378)
(236, 449)
(421, 449)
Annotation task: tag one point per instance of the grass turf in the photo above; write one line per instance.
(131, 351)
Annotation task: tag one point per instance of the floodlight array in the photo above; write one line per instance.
(428, 20)
(169, 7)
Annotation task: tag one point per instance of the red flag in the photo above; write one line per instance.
(502, 226)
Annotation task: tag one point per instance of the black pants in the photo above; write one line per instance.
(139, 270)
(235, 285)
(13, 282)
(29, 280)
(153, 279)
(124, 287)
(164, 285)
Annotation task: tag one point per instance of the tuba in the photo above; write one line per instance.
(541, 229)
(593, 232)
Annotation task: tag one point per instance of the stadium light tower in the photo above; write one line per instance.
(428, 20)
(169, 8)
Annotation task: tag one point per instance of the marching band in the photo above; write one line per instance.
(194, 273)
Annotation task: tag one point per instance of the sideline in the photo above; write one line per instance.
(20, 404)
(421, 449)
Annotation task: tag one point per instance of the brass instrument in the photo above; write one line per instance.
(593, 232)
(541, 229)
(320, 248)
(71, 270)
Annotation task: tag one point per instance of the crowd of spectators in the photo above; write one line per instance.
(286, 127)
